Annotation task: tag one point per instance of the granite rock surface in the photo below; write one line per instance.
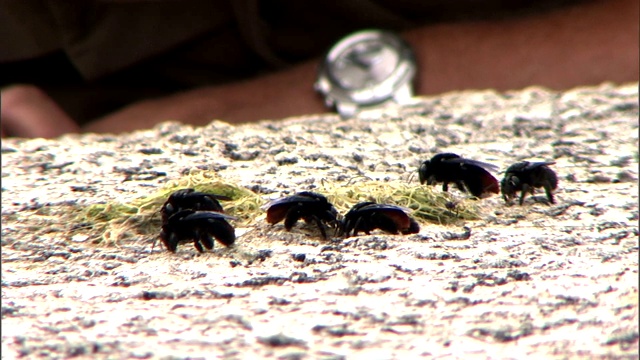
(533, 281)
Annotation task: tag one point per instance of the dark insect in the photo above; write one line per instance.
(367, 216)
(201, 227)
(468, 175)
(189, 199)
(188, 215)
(307, 205)
(525, 177)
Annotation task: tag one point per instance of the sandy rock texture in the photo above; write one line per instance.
(532, 281)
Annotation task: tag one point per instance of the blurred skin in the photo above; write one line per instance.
(586, 44)
(28, 112)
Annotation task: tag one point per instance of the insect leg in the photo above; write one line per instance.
(525, 190)
(170, 242)
(293, 215)
(357, 228)
(320, 225)
(197, 244)
(445, 186)
(547, 189)
(206, 240)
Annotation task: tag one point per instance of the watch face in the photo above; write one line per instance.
(364, 64)
(367, 68)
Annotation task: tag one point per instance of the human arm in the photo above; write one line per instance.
(585, 44)
(27, 111)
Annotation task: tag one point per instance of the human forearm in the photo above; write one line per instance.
(26, 111)
(588, 43)
(272, 96)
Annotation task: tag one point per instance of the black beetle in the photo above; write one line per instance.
(190, 199)
(367, 216)
(468, 175)
(188, 215)
(525, 176)
(306, 205)
(201, 227)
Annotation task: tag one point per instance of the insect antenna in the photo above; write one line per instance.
(413, 173)
(358, 177)
(153, 244)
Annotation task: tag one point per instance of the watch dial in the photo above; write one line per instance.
(364, 64)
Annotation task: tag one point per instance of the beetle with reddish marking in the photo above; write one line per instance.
(468, 175)
(367, 216)
(306, 205)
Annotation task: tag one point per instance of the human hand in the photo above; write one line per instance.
(27, 111)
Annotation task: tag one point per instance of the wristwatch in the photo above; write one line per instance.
(367, 69)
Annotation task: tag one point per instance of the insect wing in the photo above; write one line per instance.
(184, 199)
(518, 167)
(481, 164)
(213, 223)
(278, 208)
(394, 213)
(535, 165)
(203, 201)
(277, 213)
(479, 180)
(400, 218)
(207, 216)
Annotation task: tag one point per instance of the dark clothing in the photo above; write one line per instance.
(94, 57)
